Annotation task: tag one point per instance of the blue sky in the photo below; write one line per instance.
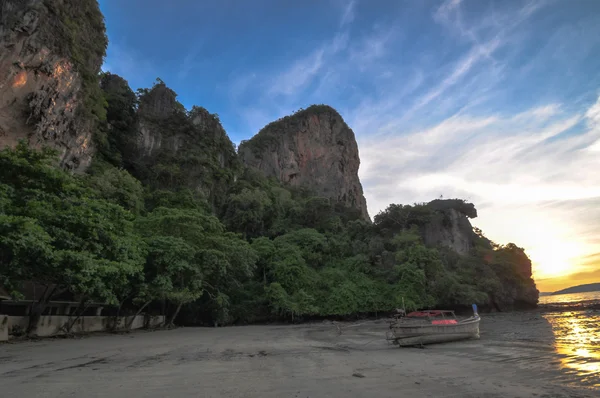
(492, 101)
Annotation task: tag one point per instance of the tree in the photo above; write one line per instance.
(190, 254)
(118, 186)
(77, 241)
(247, 212)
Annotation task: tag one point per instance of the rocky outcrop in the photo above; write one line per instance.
(157, 106)
(165, 124)
(313, 148)
(450, 226)
(41, 86)
(169, 147)
(506, 269)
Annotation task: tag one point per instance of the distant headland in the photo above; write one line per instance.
(589, 287)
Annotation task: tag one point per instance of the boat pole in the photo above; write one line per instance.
(403, 306)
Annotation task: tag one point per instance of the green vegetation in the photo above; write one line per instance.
(167, 219)
(273, 253)
(185, 150)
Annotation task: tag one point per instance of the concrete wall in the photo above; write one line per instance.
(53, 325)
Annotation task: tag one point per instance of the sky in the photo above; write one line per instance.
(496, 102)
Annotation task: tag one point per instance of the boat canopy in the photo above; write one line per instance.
(429, 313)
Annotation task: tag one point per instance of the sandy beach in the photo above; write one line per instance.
(515, 357)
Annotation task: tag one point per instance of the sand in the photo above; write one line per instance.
(310, 360)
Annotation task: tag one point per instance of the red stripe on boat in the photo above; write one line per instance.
(444, 322)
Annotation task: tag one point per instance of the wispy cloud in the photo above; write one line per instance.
(462, 67)
(373, 46)
(287, 84)
(298, 75)
(348, 13)
(303, 71)
(454, 113)
(511, 164)
(446, 9)
(190, 61)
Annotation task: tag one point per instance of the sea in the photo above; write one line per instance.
(589, 298)
(575, 322)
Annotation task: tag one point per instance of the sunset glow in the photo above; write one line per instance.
(555, 259)
(557, 250)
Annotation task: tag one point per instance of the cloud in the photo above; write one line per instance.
(304, 71)
(348, 13)
(189, 61)
(373, 46)
(299, 74)
(593, 260)
(444, 11)
(535, 189)
(280, 90)
(458, 118)
(240, 84)
(462, 67)
(593, 115)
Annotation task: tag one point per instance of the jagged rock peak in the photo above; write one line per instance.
(158, 102)
(313, 148)
(450, 226)
(205, 121)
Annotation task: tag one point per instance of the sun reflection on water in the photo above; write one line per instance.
(577, 341)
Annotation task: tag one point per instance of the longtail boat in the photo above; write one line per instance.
(432, 326)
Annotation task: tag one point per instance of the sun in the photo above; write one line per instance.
(554, 258)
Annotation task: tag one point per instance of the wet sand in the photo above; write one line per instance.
(515, 357)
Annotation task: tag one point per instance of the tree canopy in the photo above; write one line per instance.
(216, 243)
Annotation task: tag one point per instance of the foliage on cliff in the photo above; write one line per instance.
(259, 251)
(272, 253)
(89, 237)
(167, 215)
(164, 146)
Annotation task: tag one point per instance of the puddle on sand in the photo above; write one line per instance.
(577, 342)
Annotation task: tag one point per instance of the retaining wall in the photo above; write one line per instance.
(54, 325)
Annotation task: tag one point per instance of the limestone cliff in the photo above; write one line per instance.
(313, 148)
(50, 53)
(449, 225)
(166, 146)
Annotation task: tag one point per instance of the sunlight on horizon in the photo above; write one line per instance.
(555, 258)
(556, 250)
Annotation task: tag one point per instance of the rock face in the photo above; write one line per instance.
(450, 225)
(313, 148)
(160, 107)
(40, 85)
(156, 107)
(174, 148)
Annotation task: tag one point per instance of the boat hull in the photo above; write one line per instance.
(410, 335)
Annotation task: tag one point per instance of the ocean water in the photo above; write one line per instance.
(575, 321)
(581, 298)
